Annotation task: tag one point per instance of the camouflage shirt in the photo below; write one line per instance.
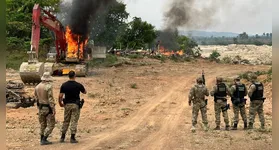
(44, 93)
(215, 90)
(233, 88)
(198, 93)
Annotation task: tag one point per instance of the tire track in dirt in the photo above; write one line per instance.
(138, 119)
(165, 138)
(168, 123)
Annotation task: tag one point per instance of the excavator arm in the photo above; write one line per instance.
(50, 22)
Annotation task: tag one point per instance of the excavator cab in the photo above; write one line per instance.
(51, 55)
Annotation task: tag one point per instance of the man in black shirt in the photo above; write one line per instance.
(71, 89)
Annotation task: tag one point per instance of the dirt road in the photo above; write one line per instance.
(155, 115)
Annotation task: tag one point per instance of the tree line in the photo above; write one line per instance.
(243, 38)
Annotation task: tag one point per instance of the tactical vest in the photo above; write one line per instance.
(258, 93)
(199, 92)
(221, 90)
(240, 91)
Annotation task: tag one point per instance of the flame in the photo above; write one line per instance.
(75, 50)
(165, 52)
(180, 52)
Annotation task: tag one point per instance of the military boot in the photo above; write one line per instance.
(45, 141)
(205, 127)
(217, 127)
(73, 139)
(262, 127)
(62, 139)
(245, 125)
(250, 125)
(234, 126)
(193, 129)
(42, 136)
(227, 127)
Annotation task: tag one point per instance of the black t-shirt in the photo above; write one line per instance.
(72, 89)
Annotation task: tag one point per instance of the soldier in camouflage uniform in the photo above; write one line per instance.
(71, 89)
(238, 92)
(46, 105)
(220, 91)
(255, 93)
(197, 97)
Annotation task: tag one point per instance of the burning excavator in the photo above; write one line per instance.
(69, 53)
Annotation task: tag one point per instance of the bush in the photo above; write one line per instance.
(135, 56)
(163, 59)
(174, 58)
(245, 75)
(269, 75)
(134, 86)
(187, 59)
(107, 62)
(227, 60)
(214, 56)
(15, 58)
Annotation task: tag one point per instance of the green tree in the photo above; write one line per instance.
(243, 35)
(110, 25)
(186, 44)
(19, 22)
(267, 34)
(138, 34)
(214, 56)
(235, 41)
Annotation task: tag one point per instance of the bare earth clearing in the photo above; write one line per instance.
(154, 115)
(254, 54)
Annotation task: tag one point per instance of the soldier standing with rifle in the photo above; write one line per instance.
(220, 92)
(197, 97)
(239, 91)
(72, 105)
(255, 93)
(46, 105)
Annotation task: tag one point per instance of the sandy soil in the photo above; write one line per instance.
(154, 115)
(255, 54)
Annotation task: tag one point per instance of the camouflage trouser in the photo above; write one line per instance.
(256, 107)
(47, 121)
(239, 108)
(218, 106)
(195, 112)
(71, 115)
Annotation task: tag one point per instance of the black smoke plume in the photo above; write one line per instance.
(188, 15)
(193, 14)
(82, 13)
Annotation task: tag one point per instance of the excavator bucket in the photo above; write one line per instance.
(31, 73)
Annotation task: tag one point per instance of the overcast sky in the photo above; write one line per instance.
(251, 16)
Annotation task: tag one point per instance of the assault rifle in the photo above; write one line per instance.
(203, 78)
(203, 82)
